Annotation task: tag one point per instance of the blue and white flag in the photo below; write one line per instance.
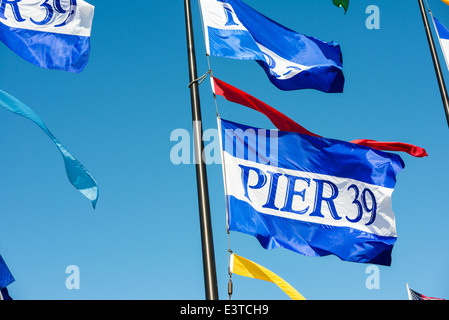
(311, 195)
(443, 36)
(50, 34)
(6, 279)
(291, 60)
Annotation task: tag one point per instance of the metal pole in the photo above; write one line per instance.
(436, 62)
(408, 292)
(210, 275)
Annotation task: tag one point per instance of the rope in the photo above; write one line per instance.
(428, 8)
(207, 55)
(230, 286)
(200, 79)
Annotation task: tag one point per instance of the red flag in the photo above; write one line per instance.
(393, 146)
(284, 123)
(281, 121)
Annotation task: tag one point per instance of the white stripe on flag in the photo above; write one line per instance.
(22, 14)
(384, 225)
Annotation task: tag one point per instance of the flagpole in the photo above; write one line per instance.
(436, 62)
(408, 292)
(210, 276)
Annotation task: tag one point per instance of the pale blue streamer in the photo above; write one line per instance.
(78, 176)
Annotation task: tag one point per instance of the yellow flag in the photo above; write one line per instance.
(446, 2)
(246, 268)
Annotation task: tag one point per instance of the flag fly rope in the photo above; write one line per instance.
(212, 76)
(200, 79)
(229, 252)
(207, 55)
(230, 285)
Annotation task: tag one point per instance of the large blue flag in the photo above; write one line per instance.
(291, 60)
(50, 34)
(77, 174)
(6, 279)
(311, 195)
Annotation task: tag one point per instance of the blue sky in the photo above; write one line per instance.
(116, 117)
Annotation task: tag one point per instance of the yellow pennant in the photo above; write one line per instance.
(446, 2)
(246, 268)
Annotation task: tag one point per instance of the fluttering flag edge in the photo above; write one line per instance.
(247, 268)
(33, 44)
(19, 37)
(73, 167)
(284, 123)
(8, 277)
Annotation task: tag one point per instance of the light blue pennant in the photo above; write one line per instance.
(78, 176)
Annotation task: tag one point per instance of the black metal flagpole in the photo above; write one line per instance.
(436, 62)
(210, 276)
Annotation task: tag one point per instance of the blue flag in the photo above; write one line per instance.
(4, 294)
(291, 60)
(6, 277)
(312, 195)
(49, 34)
(78, 176)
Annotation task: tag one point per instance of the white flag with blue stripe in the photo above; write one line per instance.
(311, 195)
(291, 60)
(50, 34)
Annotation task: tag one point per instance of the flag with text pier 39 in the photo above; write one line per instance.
(49, 34)
(312, 195)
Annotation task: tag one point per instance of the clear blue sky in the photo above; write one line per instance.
(116, 117)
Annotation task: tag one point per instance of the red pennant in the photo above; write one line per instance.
(284, 123)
